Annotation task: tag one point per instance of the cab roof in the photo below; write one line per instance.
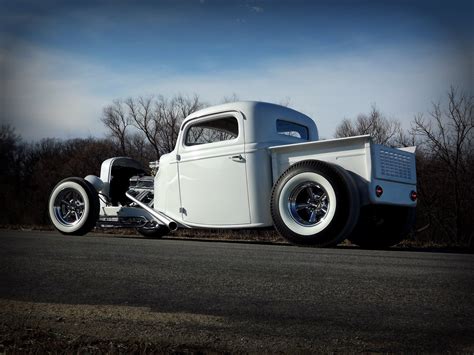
(246, 107)
(260, 118)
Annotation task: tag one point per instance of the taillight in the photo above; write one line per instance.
(378, 191)
(413, 195)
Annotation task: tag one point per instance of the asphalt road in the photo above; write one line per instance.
(239, 296)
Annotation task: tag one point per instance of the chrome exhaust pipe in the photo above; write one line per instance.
(161, 218)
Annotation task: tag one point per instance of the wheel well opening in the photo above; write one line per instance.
(120, 183)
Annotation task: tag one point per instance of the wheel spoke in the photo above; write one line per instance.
(69, 207)
(301, 206)
(309, 203)
(66, 202)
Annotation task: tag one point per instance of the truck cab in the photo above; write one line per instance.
(219, 174)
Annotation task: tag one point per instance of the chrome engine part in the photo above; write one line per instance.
(141, 188)
(141, 194)
(128, 215)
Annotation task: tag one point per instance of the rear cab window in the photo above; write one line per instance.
(212, 131)
(291, 129)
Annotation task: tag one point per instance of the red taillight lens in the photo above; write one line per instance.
(378, 191)
(413, 195)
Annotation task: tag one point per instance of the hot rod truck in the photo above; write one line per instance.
(251, 165)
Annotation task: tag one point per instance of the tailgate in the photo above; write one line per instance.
(393, 164)
(395, 171)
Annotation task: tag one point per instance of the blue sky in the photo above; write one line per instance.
(62, 62)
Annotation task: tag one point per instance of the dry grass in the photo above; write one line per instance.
(35, 340)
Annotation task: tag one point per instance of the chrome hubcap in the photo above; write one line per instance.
(308, 204)
(68, 207)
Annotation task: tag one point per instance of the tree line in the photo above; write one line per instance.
(444, 137)
(144, 128)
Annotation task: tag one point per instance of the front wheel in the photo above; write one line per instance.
(155, 232)
(73, 206)
(314, 203)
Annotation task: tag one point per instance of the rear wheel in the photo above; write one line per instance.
(73, 206)
(154, 233)
(314, 203)
(382, 226)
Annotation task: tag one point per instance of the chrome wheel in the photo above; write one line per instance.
(314, 203)
(308, 204)
(69, 207)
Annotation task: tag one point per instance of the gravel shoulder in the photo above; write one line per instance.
(28, 326)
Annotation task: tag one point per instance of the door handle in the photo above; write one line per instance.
(238, 158)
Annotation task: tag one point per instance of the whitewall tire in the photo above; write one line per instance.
(314, 203)
(73, 206)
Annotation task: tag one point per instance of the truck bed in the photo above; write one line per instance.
(371, 165)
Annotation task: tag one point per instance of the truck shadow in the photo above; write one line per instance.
(427, 249)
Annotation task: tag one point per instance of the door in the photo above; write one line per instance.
(212, 171)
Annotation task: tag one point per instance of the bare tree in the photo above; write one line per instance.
(447, 138)
(168, 115)
(11, 148)
(141, 117)
(285, 102)
(12, 192)
(116, 119)
(156, 120)
(383, 130)
(232, 98)
(172, 114)
(141, 149)
(449, 134)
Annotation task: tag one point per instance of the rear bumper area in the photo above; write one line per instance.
(393, 193)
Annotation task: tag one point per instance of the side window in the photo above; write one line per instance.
(291, 129)
(218, 130)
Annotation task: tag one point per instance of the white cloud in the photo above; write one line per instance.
(328, 89)
(256, 9)
(52, 94)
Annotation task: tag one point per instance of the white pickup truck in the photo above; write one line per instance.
(251, 165)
